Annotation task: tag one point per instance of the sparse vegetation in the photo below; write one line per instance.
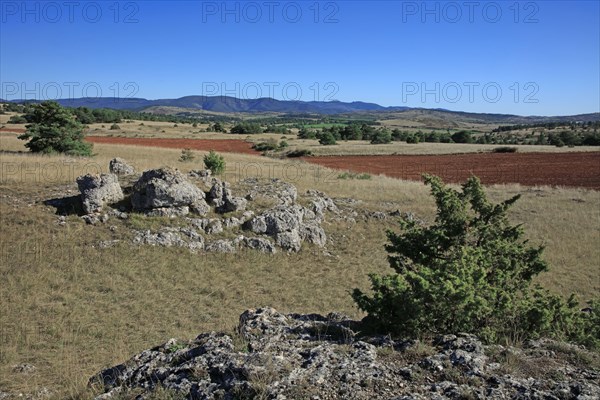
(187, 155)
(268, 145)
(354, 175)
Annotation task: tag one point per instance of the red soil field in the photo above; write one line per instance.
(223, 145)
(577, 169)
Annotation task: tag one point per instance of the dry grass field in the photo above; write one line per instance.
(71, 308)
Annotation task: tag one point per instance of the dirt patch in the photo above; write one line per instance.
(554, 169)
(222, 145)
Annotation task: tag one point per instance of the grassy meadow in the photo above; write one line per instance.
(71, 308)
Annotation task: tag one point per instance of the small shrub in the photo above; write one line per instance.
(215, 162)
(505, 149)
(283, 144)
(17, 119)
(299, 153)
(187, 155)
(115, 127)
(270, 144)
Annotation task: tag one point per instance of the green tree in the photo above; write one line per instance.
(54, 129)
(327, 139)
(305, 133)
(246, 128)
(470, 271)
(381, 136)
(215, 162)
(462, 137)
(218, 127)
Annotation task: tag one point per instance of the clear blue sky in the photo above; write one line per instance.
(527, 58)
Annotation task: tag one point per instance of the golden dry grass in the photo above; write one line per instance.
(72, 309)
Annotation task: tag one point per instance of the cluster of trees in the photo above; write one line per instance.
(561, 134)
(252, 128)
(549, 126)
(559, 139)
(247, 128)
(381, 135)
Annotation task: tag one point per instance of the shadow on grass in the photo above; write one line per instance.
(70, 205)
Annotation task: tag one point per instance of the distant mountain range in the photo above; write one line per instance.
(226, 104)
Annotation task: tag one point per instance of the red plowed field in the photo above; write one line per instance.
(223, 145)
(554, 169)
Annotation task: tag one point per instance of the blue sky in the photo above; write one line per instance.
(526, 58)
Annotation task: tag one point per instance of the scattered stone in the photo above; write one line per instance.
(24, 368)
(220, 246)
(200, 173)
(162, 238)
(376, 215)
(200, 207)
(260, 244)
(168, 212)
(224, 201)
(283, 193)
(232, 222)
(90, 219)
(321, 203)
(98, 190)
(214, 226)
(105, 244)
(120, 167)
(290, 241)
(118, 214)
(313, 233)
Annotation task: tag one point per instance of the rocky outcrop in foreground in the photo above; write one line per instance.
(277, 356)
